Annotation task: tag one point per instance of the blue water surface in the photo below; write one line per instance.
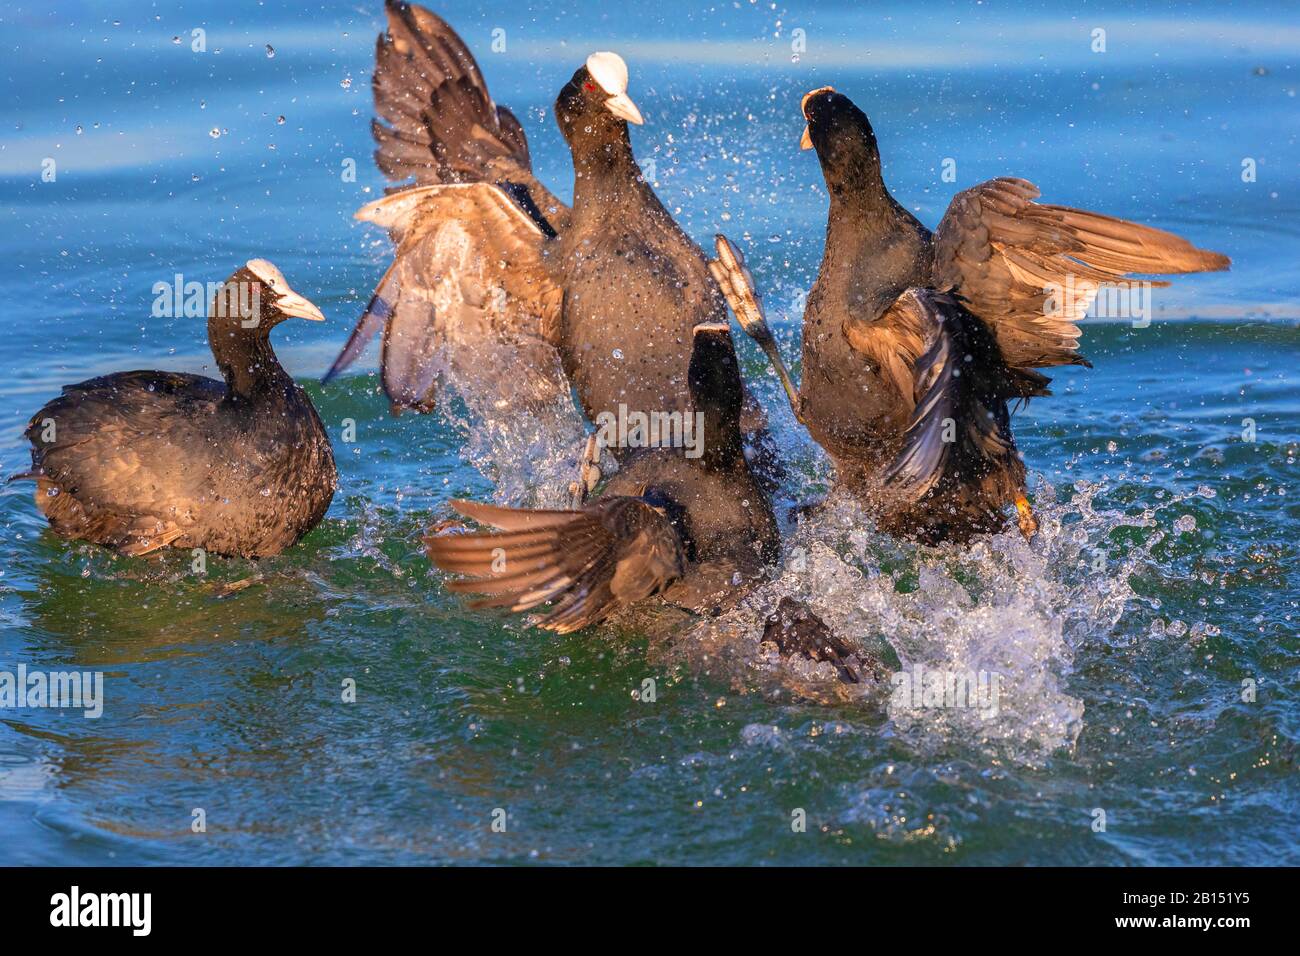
(1159, 684)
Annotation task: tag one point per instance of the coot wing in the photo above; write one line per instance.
(586, 564)
(437, 122)
(467, 295)
(893, 342)
(959, 435)
(1031, 271)
(123, 459)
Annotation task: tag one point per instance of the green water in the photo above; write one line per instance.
(1131, 677)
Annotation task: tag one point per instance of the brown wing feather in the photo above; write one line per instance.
(1003, 252)
(115, 473)
(586, 564)
(443, 126)
(467, 296)
(894, 342)
(959, 436)
(436, 120)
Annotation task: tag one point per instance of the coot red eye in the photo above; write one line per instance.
(589, 86)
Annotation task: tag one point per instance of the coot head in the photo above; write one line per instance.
(248, 305)
(842, 135)
(594, 105)
(259, 297)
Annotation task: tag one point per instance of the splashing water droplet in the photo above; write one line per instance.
(270, 52)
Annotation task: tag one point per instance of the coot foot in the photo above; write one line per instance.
(738, 288)
(795, 629)
(1025, 518)
(588, 473)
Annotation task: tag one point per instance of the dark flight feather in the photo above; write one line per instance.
(587, 564)
(959, 435)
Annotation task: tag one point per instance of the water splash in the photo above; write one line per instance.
(1005, 609)
(522, 429)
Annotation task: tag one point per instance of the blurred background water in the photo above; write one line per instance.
(1127, 671)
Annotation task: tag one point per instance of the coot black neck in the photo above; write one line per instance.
(859, 198)
(606, 173)
(718, 395)
(246, 359)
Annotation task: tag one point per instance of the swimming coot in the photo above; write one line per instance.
(142, 460)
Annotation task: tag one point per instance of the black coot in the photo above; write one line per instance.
(498, 284)
(914, 343)
(142, 460)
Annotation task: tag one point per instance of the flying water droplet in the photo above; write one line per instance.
(270, 52)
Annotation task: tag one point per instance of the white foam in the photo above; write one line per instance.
(1002, 606)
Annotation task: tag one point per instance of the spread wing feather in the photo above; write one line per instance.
(436, 120)
(1031, 271)
(467, 296)
(959, 436)
(585, 564)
